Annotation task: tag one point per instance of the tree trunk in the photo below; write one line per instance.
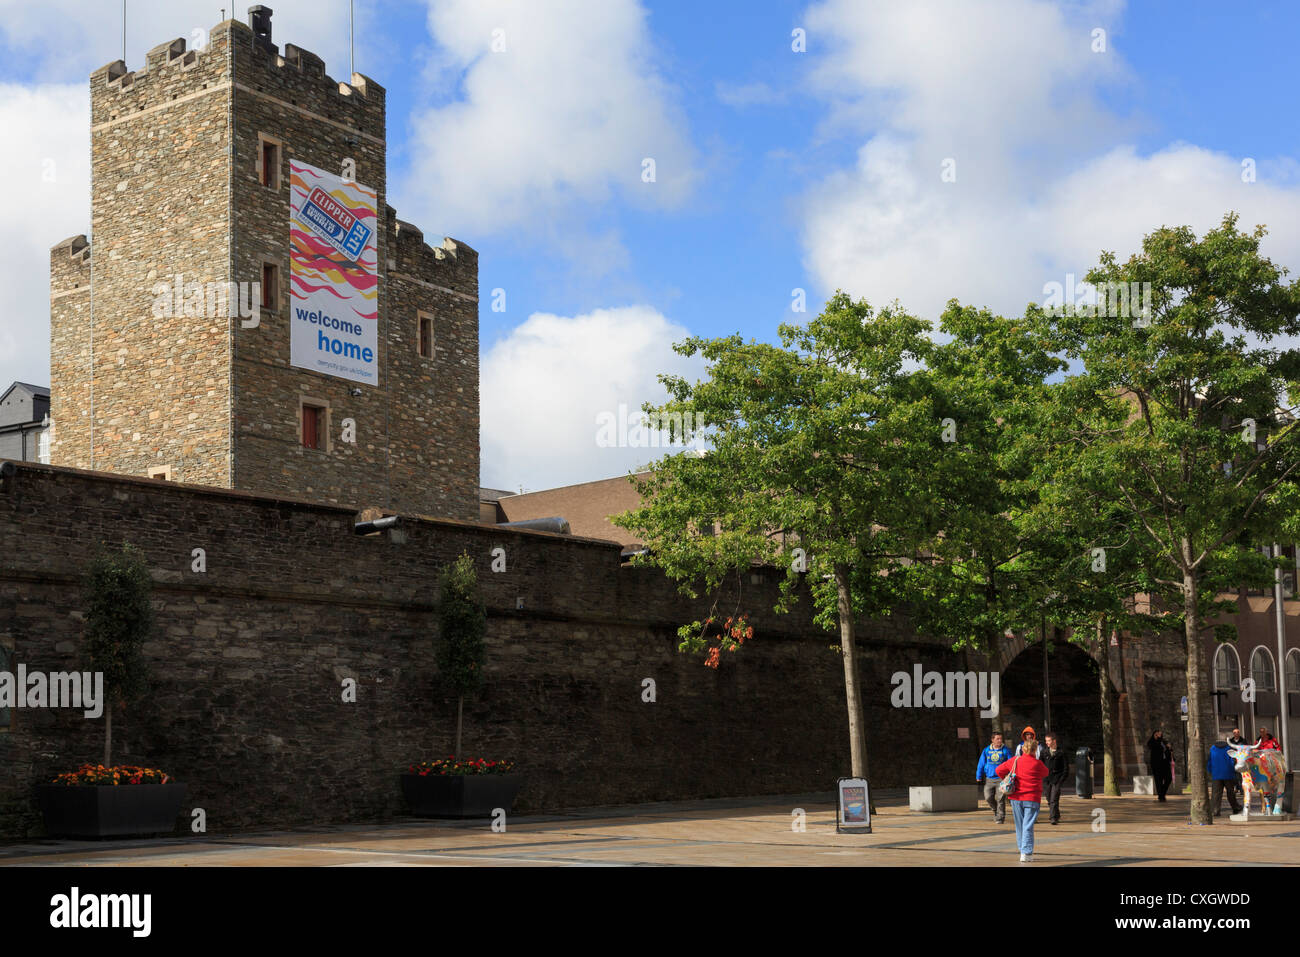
(995, 662)
(460, 710)
(1109, 783)
(857, 739)
(1197, 699)
(108, 737)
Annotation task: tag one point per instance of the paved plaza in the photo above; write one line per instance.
(747, 832)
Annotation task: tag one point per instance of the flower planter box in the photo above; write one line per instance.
(459, 795)
(107, 810)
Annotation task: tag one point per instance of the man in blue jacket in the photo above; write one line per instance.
(1223, 770)
(986, 774)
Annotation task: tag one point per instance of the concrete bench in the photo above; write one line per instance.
(944, 797)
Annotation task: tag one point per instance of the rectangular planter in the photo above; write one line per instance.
(944, 797)
(460, 795)
(110, 810)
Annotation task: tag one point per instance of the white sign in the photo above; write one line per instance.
(854, 800)
(333, 276)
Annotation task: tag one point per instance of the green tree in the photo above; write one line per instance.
(118, 622)
(820, 449)
(976, 579)
(1090, 567)
(462, 624)
(1182, 411)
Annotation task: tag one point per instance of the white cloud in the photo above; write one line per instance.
(46, 171)
(544, 385)
(1045, 176)
(548, 128)
(70, 38)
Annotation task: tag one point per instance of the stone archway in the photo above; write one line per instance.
(1145, 675)
(1073, 695)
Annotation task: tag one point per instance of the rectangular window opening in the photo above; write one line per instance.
(313, 426)
(270, 286)
(270, 164)
(426, 336)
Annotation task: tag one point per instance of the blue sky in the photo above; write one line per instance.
(776, 170)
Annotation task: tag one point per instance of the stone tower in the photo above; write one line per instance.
(238, 198)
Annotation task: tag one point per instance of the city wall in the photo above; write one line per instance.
(249, 658)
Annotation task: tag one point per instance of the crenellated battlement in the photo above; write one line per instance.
(175, 70)
(70, 264)
(301, 77)
(171, 71)
(453, 264)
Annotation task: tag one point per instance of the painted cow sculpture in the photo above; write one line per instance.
(1262, 771)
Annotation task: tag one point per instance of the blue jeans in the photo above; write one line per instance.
(1025, 814)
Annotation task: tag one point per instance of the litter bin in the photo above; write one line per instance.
(1083, 772)
(1288, 796)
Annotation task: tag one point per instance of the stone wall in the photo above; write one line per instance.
(248, 661)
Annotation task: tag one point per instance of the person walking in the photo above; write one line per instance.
(986, 775)
(1160, 758)
(1223, 770)
(1058, 769)
(1037, 748)
(1026, 793)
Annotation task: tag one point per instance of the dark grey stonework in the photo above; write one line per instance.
(249, 658)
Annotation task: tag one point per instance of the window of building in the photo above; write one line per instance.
(163, 472)
(270, 286)
(424, 335)
(43, 445)
(268, 161)
(313, 416)
(1261, 669)
(1227, 670)
(1293, 670)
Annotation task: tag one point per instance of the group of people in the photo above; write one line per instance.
(1223, 769)
(1040, 769)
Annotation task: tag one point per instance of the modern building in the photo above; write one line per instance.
(25, 423)
(1274, 671)
(588, 507)
(249, 312)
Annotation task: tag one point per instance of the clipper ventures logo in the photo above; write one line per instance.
(333, 222)
(950, 689)
(58, 689)
(75, 910)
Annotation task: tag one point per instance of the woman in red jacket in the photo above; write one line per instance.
(1027, 793)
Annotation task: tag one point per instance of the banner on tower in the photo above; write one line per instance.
(333, 277)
